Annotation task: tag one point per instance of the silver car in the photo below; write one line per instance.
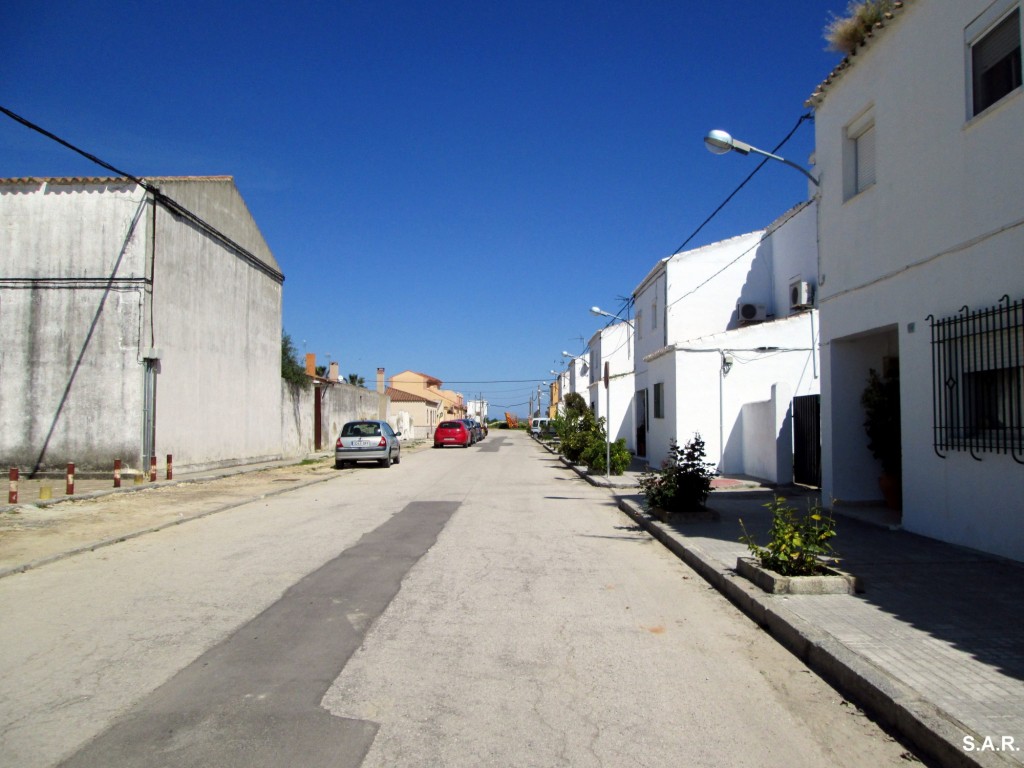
(367, 440)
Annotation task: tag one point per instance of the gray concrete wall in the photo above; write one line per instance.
(79, 317)
(217, 326)
(341, 403)
(72, 269)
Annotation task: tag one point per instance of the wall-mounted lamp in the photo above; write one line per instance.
(720, 143)
(726, 364)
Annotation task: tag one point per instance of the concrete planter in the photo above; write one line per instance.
(832, 582)
(696, 515)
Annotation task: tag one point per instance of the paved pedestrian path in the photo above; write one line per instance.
(933, 646)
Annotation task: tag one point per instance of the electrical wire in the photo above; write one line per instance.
(743, 183)
(169, 203)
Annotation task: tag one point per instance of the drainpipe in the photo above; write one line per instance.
(381, 403)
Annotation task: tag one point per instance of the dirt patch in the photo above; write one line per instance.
(34, 534)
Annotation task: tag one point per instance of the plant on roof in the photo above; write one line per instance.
(846, 33)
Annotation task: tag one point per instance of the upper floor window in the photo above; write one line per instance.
(859, 155)
(994, 60)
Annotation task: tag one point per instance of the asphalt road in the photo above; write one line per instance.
(477, 607)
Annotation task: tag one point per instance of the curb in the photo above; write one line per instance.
(891, 702)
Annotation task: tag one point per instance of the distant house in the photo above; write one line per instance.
(725, 340)
(918, 144)
(450, 405)
(138, 322)
(613, 346)
(424, 412)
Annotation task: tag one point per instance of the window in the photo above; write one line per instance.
(978, 380)
(654, 313)
(639, 323)
(859, 155)
(994, 57)
(659, 401)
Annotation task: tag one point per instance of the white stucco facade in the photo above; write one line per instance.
(938, 230)
(701, 367)
(613, 345)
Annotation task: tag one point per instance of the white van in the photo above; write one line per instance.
(538, 425)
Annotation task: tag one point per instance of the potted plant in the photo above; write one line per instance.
(881, 401)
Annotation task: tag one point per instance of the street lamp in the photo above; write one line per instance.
(720, 142)
(599, 311)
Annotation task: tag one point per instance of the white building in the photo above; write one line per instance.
(613, 346)
(576, 378)
(725, 339)
(920, 153)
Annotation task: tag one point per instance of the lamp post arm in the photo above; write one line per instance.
(790, 163)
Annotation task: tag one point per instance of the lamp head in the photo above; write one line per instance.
(596, 311)
(720, 142)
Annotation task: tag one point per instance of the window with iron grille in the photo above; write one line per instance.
(978, 380)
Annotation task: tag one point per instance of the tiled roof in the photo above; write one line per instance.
(821, 91)
(106, 179)
(398, 396)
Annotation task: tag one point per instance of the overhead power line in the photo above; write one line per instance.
(169, 203)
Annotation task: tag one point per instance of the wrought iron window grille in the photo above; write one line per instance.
(978, 381)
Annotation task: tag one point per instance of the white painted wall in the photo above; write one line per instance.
(942, 228)
(697, 293)
(614, 345)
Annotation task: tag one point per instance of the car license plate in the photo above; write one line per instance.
(360, 443)
(449, 439)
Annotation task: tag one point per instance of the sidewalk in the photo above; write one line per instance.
(933, 647)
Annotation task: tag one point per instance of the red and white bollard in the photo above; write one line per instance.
(170, 470)
(117, 473)
(12, 494)
(152, 469)
(69, 488)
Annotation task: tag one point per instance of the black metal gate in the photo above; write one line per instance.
(807, 440)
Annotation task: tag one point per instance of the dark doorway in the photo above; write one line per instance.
(807, 440)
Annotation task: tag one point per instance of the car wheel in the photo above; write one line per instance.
(386, 461)
(339, 464)
(398, 458)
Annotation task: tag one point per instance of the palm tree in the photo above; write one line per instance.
(356, 380)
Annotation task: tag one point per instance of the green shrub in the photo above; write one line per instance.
(797, 545)
(684, 480)
(291, 370)
(597, 451)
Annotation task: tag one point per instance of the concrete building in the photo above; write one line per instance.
(613, 345)
(725, 340)
(450, 405)
(919, 151)
(138, 321)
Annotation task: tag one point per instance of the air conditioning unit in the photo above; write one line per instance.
(801, 295)
(750, 313)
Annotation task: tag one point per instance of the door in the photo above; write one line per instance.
(807, 440)
(641, 422)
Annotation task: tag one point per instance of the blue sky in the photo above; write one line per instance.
(487, 172)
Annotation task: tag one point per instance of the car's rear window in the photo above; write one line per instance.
(449, 425)
(361, 429)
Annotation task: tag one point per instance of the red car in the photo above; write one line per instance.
(452, 433)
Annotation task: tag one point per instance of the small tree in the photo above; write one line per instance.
(291, 370)
(797, 545)
(356, 380)
(684, 480)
